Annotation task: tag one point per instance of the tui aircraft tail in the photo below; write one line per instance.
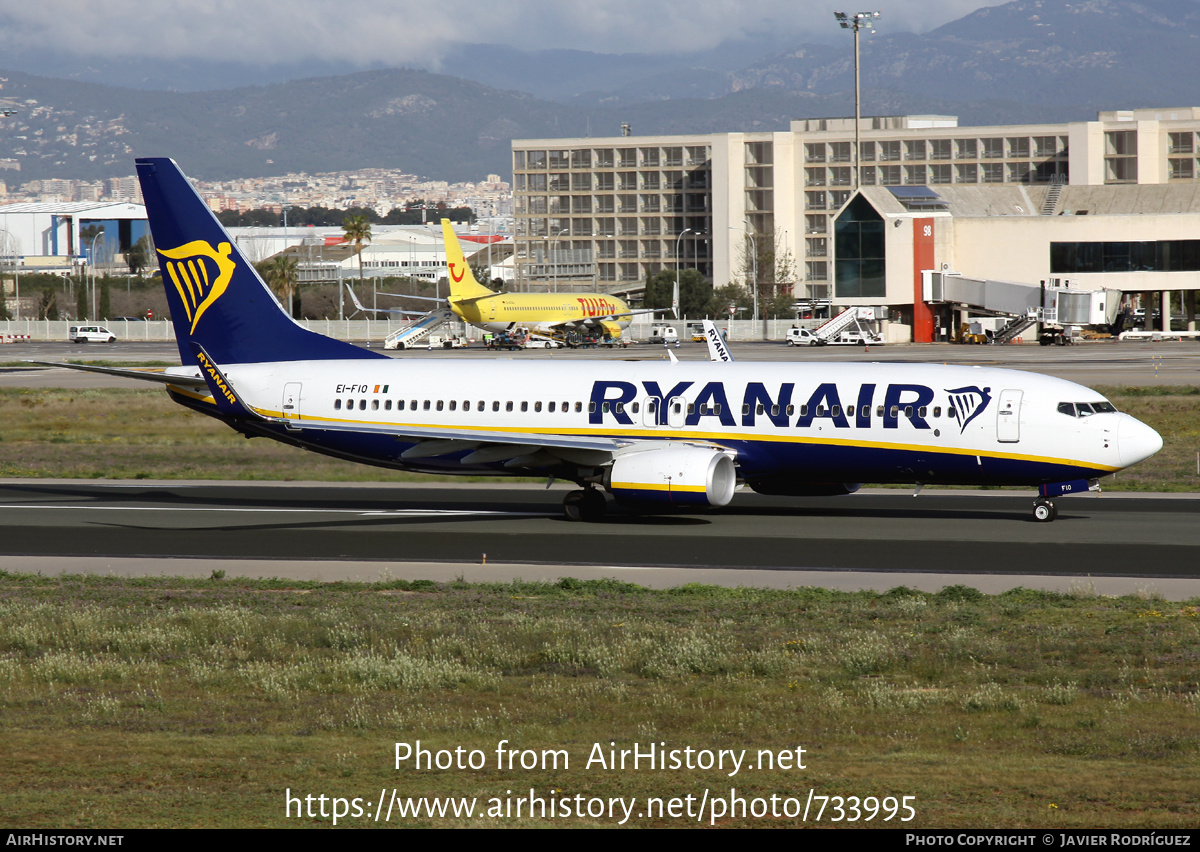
(216, 298)
(462, 280)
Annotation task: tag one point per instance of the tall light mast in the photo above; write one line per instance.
(856, 22)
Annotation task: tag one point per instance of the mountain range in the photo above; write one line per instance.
(1025, 61)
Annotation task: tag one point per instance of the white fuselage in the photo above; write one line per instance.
(812, 422)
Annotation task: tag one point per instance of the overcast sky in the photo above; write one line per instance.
(418, 32)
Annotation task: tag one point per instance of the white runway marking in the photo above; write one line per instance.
(397, 513)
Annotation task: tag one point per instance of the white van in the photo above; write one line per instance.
(664, 334)
(90, 334)
(802, 337)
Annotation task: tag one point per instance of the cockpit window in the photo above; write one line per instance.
(1085, 409)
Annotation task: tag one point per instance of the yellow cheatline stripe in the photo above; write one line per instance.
(647, 486)
(717, 437)
(191, 394)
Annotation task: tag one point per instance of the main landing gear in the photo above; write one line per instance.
(1043, 510)
(586, 505)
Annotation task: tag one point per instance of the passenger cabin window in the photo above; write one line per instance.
(337, 405)
(362, 405)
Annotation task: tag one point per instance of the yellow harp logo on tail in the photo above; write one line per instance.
(200, 274)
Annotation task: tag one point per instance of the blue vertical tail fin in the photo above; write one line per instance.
(216, 298)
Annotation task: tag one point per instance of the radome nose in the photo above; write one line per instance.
(1136, 441)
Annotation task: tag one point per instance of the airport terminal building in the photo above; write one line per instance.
(1107, 204)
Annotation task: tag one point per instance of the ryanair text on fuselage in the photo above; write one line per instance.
(844, 409)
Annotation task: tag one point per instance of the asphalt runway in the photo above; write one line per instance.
(1113, 544)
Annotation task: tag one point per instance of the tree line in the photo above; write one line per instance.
(416, 213)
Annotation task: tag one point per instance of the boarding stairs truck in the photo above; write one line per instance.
(847, 328)
(414, 332)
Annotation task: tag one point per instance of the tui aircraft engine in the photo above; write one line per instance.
(673, 475)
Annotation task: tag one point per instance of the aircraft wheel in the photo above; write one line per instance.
(588, 505)
(1044, 511)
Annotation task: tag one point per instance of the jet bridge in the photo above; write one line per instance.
(1051, 304)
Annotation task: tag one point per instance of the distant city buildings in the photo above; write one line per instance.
(377, 189)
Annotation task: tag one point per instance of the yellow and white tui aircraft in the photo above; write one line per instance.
(650, 433)
(542, 313)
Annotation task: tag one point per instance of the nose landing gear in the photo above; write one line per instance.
(1043, 510)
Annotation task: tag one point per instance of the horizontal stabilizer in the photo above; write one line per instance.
(191, 378)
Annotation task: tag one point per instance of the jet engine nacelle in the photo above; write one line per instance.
(674, 476)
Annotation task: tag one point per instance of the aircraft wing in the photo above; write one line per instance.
(183, 377)
(359, 305)
(516, 449)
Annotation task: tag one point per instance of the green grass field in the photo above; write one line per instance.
(169, 702)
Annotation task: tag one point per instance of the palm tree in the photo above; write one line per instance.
(282, 277)
(358, 231)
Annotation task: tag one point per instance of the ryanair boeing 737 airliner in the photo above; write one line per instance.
(651, 433)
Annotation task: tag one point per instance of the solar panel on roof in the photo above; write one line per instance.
(912, 192)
